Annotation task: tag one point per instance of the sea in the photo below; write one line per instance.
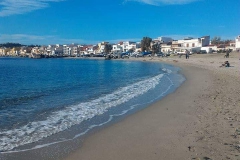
(46, 102)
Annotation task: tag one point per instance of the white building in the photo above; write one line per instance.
(198, 42)
(74, 51)
(87, 49)
(117, 48)
(193, 44)
(35, 50)
(66, 50)
(101, 47)
(58, 50)
(50, 49)
(166, 47)
(127, 45)
(90, 49)
(2, 51)
(237, 43)
(231, 46)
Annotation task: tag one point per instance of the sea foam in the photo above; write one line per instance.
(61, 120)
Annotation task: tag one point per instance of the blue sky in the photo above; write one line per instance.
(93, 21)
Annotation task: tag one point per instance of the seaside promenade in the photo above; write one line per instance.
(200, 120)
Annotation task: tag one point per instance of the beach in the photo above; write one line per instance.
(200, 120)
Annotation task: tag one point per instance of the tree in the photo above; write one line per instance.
(146, 43)
(107, 48)
(156, 48)
(227, 41)
(216, 40)
(10, 45)
(131, 50)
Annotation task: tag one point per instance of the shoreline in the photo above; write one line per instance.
(36, 151)
(200, 119)
(155, 132)
(197, 121)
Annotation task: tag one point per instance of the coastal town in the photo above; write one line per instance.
(163, 45)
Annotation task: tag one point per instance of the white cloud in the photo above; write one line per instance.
(164, 2)
(11, 7)
(40, 40)
(24, 38)
(52, 39)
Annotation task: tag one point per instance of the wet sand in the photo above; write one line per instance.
(200, 120)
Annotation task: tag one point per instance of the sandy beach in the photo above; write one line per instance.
(200, 120)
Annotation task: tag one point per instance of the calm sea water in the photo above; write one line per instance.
(42, 97)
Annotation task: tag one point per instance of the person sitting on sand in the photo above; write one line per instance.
(225, 64)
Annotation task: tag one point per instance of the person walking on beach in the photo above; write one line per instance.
(227, 54)
(187, 54)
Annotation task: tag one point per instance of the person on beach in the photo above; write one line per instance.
(225, 64)
(187, 54)
(227, 54)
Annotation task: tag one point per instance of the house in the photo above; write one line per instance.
(74, 51)
(117, 48)
(42, 50)
(101, 47)
(95, 48)
(90, 49)
(138, 47)
(58, 50)
(176, 45)
(2, 51)
(197, 43)
(54, 50)
(50, 50)
(127, 45)
(231, 45)
(71, 50)
(23, 51)
(35, 50)
(66, 50)
(13, 52)
(237, 43)
(166, 47)
(83, 49)
(221, 47)
(86, 50)
(189, 43)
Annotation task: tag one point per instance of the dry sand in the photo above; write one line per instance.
(200, 120)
